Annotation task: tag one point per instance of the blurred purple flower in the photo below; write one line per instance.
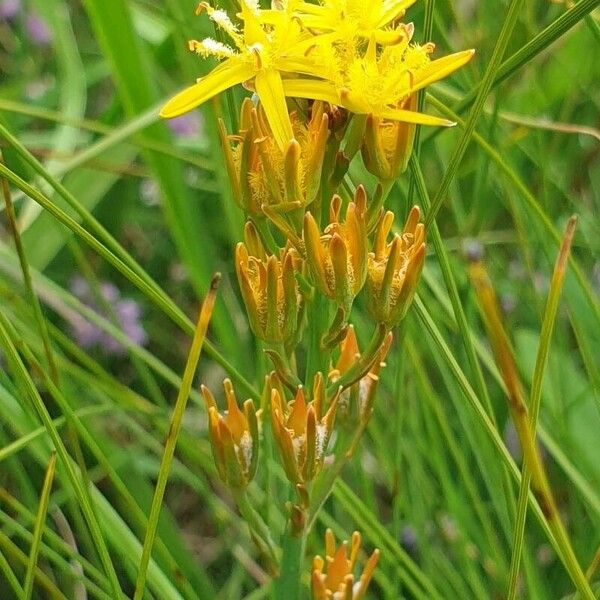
(185, 126)
(38, 30)
(409, 540)
(472, 249)
(126, 311)
(9, 9)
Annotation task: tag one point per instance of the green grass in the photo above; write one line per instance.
(104, 191)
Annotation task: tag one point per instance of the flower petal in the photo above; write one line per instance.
(440, 68)
(312, 89)
(409, 116)
(392, 10)
(229, 73)
(269, 88)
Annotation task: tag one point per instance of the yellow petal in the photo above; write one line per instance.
(269, 88)
(311, 89)
(229, 73)
(253, 32)
(393, 10)
(409, 116)
(440, 68)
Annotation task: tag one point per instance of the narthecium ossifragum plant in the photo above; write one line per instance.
(332, 82)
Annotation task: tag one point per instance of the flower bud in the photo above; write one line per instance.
(394, 268)
(338, 258)
(333, 576)
(268, 180)
(387, 145)
(233, 437)
(358, 395)
(269, 289)
(301, 430)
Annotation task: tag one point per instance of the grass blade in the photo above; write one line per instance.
(536, 393)
(174, 428)
(37, 402)
(482, 94)
(39, 526)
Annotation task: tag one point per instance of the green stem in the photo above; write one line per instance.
(75, 479)
(318, 358)
(35, 303)
(256, 524)
(535, 399)
(127, 267)
(325, 484)
(10, 577)
(287, 587)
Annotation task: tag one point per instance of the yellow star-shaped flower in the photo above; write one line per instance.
(272, 42)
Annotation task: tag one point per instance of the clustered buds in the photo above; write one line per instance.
(338, 257)
(269, 289)
(333, 577)
(267, 180)
(233, 437)
(394, 268)
(301, 430)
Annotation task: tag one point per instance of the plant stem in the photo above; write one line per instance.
(287, 587)
(318, 357)
(256, 524)
(478, 104)
(77, 482)
(35, 303)
(326, 483)
(535, 398)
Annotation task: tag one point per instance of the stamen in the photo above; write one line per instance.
(209, 47)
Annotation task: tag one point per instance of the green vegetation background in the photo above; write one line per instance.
(120, 198)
